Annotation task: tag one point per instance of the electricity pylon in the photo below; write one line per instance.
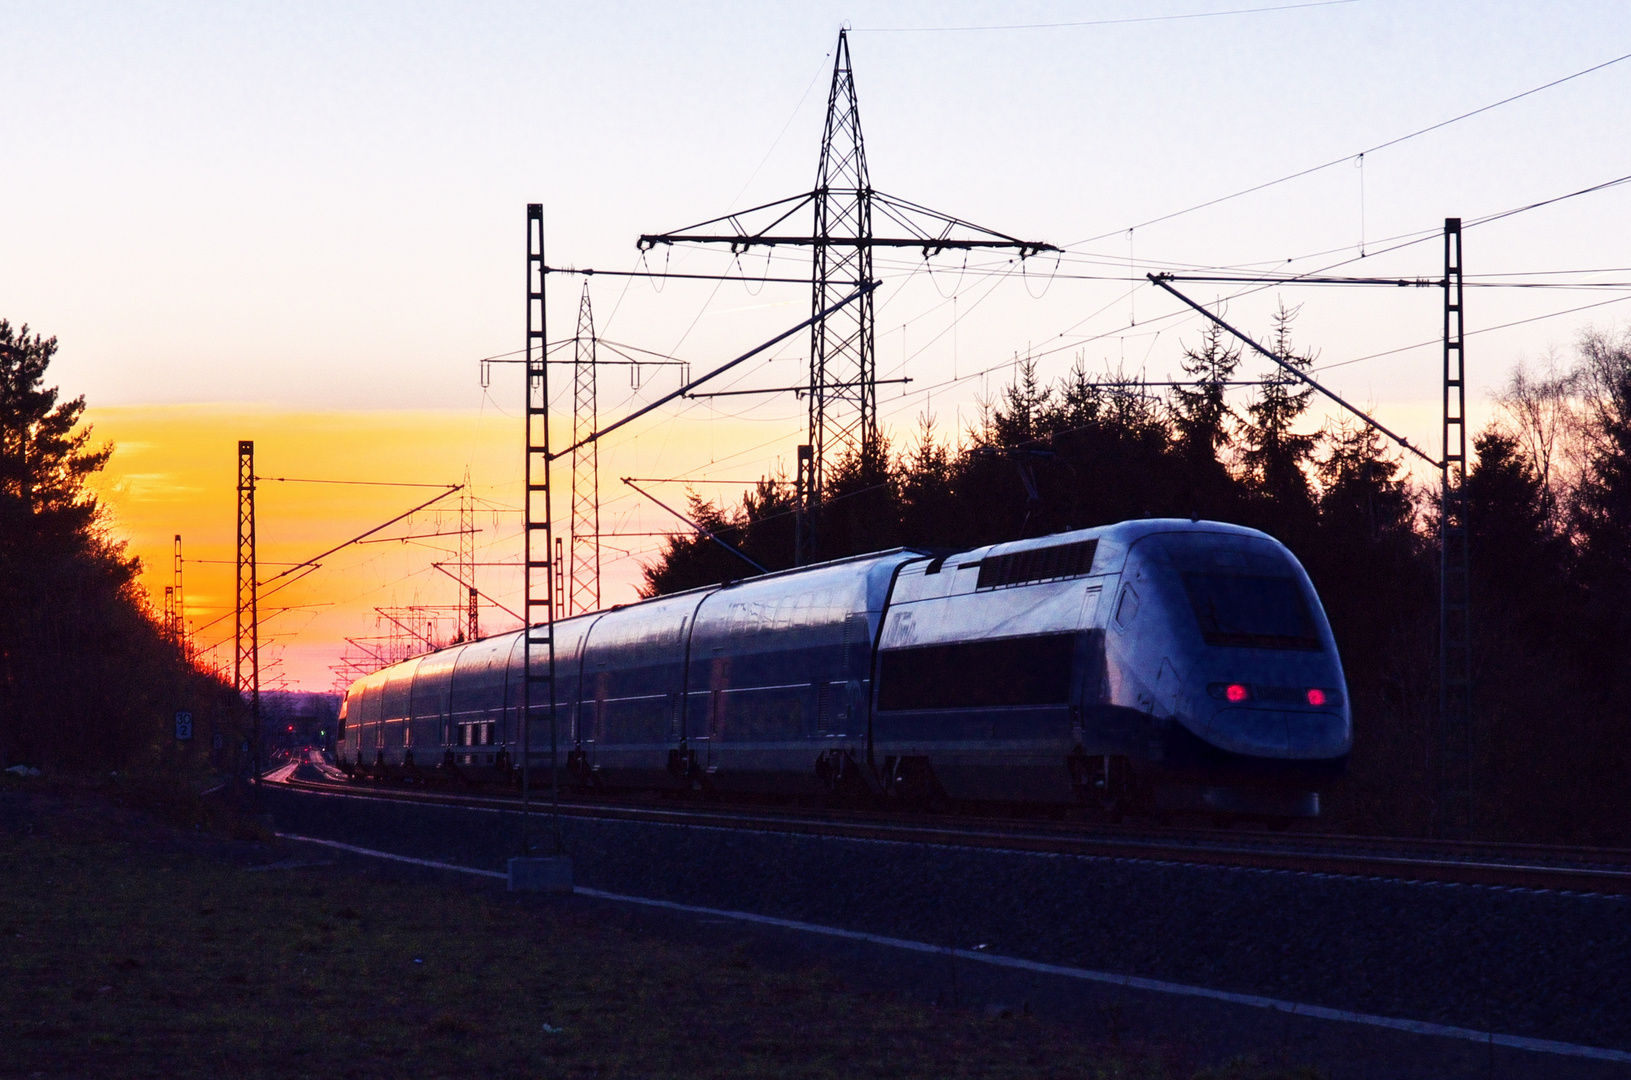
(583, 592)
(843, 389)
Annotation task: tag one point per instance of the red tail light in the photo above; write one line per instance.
(1316, 696)
(1236, 692)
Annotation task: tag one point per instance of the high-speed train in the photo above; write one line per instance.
(1151, 666)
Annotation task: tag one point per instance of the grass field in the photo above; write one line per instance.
(129, 948)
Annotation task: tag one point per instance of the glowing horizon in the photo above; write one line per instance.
(174, 470)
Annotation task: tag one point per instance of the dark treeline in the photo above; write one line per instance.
(1550, 520)
(88, 679)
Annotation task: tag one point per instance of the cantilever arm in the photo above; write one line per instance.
(709, 533)
(1160, 279)
(720, 370)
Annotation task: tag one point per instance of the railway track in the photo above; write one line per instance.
(1516, 866)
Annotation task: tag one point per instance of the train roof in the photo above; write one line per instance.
(1117, 537)
(1114, 540)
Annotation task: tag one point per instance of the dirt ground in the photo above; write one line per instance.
(129, 947)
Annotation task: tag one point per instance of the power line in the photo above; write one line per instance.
(1099, 22)
(1480, 330)
(685, 480)
(368, 483)
(1350, 157)
(859, 293)
(312, 564)
(1604, 186)
(803, 389)
(1295, 372)
(1406, 241)
(412, 536)
(668, 276)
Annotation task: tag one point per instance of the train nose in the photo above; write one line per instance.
(1279, 733)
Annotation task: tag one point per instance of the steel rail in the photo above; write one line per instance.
(1578, 870)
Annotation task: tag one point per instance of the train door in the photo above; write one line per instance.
(857, 664)
(719, 681)
(593, 716)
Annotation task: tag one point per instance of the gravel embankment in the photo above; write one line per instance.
(1544, 965)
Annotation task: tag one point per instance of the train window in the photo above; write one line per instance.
(978, 674)
(1050, 563)
(1127, 608)
(1251, 612)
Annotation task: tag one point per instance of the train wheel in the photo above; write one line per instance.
(912, 785)
(1106, 786)
(848, 788)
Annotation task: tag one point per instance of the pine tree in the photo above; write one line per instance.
(1203, 420)
(1021, 411)
(85, 673)
(928, 505)
(1276, 458)
(44, 460)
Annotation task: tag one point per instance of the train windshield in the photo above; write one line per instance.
(1251, 612)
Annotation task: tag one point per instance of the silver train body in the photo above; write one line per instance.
(1162, 665)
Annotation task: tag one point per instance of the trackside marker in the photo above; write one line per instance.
(1319, 1012)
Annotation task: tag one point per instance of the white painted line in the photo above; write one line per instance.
(1320, 1012)
(1133, 860)
(432, 863)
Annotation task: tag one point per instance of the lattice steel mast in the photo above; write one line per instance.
(843, 384)
(1451, 754)
(583, 592)
(537, 536)
(1455, 636)
(179, 610)
(246, 670)
(467, 562)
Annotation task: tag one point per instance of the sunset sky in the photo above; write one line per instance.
(302, 224)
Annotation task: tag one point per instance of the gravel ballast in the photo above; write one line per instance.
(1547, 965)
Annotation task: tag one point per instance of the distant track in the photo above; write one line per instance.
(1512, 866)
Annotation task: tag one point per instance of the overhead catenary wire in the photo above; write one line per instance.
(1425, 234)
(1479, 330)
(700, 528)
(1298, 373)
(315, 562)
(1131, 20)
(366, 483)
(1367, 150)
(1412, 238)
(755, 351)
(1064, 274)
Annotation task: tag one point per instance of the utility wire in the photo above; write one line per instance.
(1605, 185)
(1479, 330)
(1361, 153)
(368, 483)
(1098, 22)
